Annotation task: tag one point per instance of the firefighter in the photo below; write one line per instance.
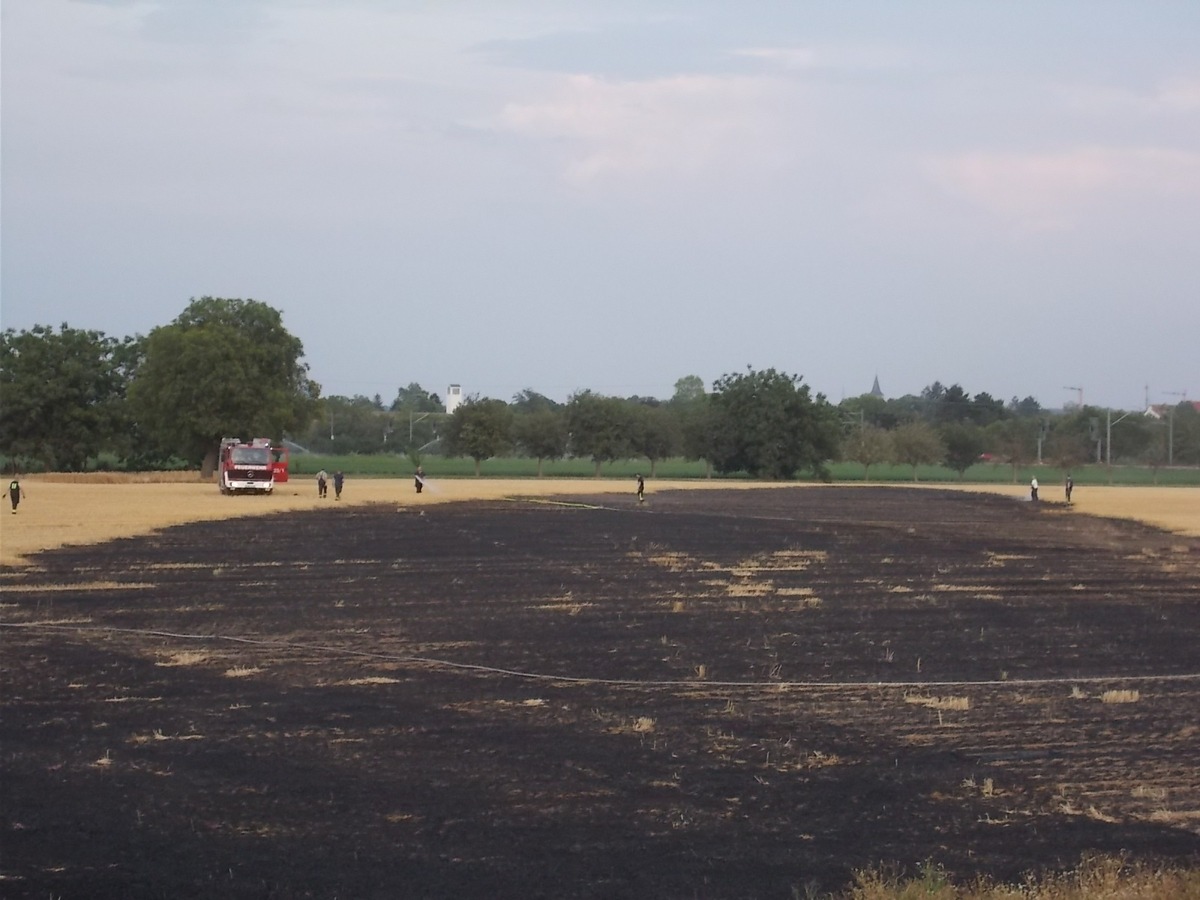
(15, 493)
(322, 483)
(338, 478)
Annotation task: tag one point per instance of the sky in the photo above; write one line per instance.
(614, 194)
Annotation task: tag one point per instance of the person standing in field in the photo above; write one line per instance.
(1070, 487)
(1033, 486)
(15, 494)
(338, 478)
(419, 479)
(322, 483)
(641, 489)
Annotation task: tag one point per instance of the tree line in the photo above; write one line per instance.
(227, 367)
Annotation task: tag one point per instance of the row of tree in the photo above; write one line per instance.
(221, 368)
(228, 367)
(766, 423)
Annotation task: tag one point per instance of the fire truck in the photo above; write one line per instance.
(250, 467)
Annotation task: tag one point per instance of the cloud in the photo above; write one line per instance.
(679, 127)
(1172, 96)
(861, 59)
(1051, 191)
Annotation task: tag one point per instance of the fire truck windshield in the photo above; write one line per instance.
(250, 456)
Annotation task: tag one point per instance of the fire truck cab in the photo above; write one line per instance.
(246, 466)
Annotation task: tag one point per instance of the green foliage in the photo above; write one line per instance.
(62, 394)
(529, 400)
(479, 429)
(870, 409)
(222, 368)
(656, 434)
(1014, 440)
(964, 443)
(600, 428)
(767, 424)
(357, 425)
(541, 434)
(916, 444)
(869, 446)
(1067, 447)
(688, 389)
(415, 398)
(1183, 426)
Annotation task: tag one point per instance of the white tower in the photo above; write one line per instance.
(453, 397)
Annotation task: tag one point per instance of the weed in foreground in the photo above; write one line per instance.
(1098, 878)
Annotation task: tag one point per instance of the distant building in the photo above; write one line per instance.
(1162, 410)
(876, 391)
(453, 397)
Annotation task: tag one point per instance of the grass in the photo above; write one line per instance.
(1101, 878)
(1120, 697)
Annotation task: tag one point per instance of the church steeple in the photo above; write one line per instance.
(876, 391)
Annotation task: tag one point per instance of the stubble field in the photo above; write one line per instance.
(722, 693)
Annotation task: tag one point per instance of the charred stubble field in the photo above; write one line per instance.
(720, 694)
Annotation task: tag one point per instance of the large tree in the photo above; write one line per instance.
(224, 367)
(1184, 434)
(964, 444)
(688, 389)
(62, 394)
(415, 398)
(479, 429)
(541, 434)
(656, 433)
(529, 400)
(867, 445)
(600, 427)
(767, 423)
(916, 444)
(1015, 440)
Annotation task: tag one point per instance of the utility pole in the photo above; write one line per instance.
(1108, 438)
(1182, 395)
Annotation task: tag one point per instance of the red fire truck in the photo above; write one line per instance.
(250, 466)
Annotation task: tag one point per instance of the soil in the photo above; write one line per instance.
(714, 694)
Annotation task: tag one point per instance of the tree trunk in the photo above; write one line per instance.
(477, 462)
(539, 475)
(209, 465)
(597, 475)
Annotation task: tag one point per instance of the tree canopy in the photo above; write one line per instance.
(224, 367)
(767, 423)
(61, 393)
(600, 427)
(541, 434)
(479, 429)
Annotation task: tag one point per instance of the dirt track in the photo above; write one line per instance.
(724, 693)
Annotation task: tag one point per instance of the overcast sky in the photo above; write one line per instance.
(613, 194)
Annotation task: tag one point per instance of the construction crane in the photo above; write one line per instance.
(1078, 390)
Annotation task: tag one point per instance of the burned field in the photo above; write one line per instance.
(719, 694)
